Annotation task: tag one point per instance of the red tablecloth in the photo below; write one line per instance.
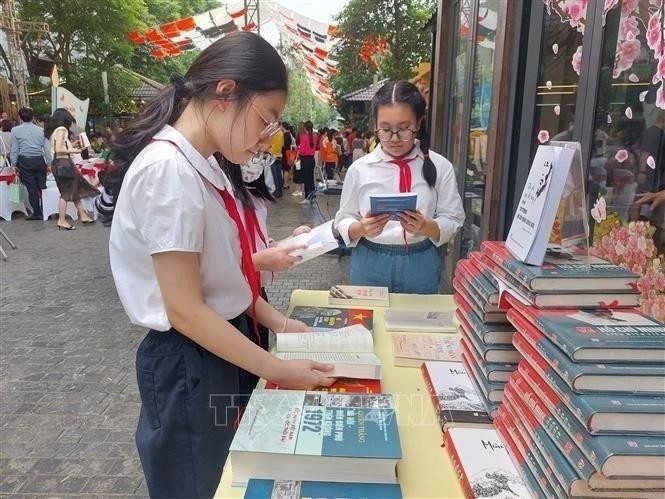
(9, 179)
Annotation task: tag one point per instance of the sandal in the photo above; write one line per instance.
(66, 227)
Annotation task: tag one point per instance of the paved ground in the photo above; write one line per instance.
(68, 395)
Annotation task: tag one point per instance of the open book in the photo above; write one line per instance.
(319, 240)
(350, 349)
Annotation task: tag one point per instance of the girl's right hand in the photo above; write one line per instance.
(302, 374)
(277, 259)
(373, 226)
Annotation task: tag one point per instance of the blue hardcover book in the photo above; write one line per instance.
(483, 286)
(284, 434)
(392, 204)
(602, 414)
(289, 489)
(602, 335)
(492, 390)
(485, 308)
(582, 378)
(490, 407)
(490, 334)
(614, 456)
(517, 447)
(566, 444)
(563, 272)
(493, 371)
(503, 354)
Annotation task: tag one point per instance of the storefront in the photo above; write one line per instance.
(509, 75)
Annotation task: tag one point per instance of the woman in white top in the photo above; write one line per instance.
(182, 264)
(402, 254)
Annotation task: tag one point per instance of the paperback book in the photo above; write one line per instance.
(411, 350)
(392, 204)
(359, 296)
(324, 319)
(418, 321)
(291, 489)
(343, 385)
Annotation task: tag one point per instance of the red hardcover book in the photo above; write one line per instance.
(343, 385)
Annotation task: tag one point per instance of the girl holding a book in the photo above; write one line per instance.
(402, 254)
(182, 262)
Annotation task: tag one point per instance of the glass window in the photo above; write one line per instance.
(628, 150)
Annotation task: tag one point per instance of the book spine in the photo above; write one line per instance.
(438, 409)
(559, 436)
(500, 256)
(457, 464)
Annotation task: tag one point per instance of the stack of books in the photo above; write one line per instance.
(299, 436)
(488, 354)
(585, 412)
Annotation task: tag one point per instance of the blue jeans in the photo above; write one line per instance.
(412, 270)
(277, 176)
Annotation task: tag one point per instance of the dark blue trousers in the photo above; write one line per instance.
(190, 401)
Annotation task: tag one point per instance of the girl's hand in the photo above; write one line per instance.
(295, 326)
(655, 199)
(277, 259)
(412, 221)
(302, 374)
(373, 226)
(301, 230)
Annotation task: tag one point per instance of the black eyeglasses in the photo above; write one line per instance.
(403, 134)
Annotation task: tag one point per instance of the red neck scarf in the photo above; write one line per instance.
(404, 174)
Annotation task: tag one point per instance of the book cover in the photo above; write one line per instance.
(369, 296)
(599, 449)
(413, 349)
(343, 385)
(493, 371)
(492, 390)
(487, 290)
(319, 424)
(533, 482)
(505, 354)
(562, 271)
(453, 395)
(409, 320)
(539, 469)
(291, 489)
(483, 465)
(490, 333)
(588, 377)
(634, 414)
(324, 319)
(562, 476)
(392, 204)
(602, 335)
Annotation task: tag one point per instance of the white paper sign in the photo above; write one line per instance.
(530, 231)
(63, 98)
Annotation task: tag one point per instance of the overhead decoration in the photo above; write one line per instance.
(200, 31)
(372, 50)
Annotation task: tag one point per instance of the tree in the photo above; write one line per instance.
(393, 30)
(303, 105)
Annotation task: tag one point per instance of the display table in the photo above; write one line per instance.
(425, 470)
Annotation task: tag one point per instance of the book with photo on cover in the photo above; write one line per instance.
(483, 465)
(601, 335)
(291, 489)
(350, 349)
(317, 436)
(359, 296)
(455, 400)
(563, 271)
(419, 321)
(325, 319)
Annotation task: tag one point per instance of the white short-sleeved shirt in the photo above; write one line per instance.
(168, 203)
(375, 174)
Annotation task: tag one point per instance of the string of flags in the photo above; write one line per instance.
(311, 40)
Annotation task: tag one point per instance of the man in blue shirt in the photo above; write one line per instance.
(30, 153)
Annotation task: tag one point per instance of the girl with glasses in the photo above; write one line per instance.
(182, 262)
(402, 254)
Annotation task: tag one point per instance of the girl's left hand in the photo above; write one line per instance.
(294, 326)
(412, 221)
(301, 230)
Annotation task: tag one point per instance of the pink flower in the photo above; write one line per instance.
(577, 60)
(543, 136)
(660, 97)
(621, 155)
(629, 50)
(629, 25)
(628, 6)
(660, 72)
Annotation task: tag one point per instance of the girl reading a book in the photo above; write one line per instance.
(182, 263)
(403, 253)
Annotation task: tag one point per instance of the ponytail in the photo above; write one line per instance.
(404, 92)
(243, 57)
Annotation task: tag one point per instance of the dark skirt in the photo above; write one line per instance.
(298, 176)
(72, 185)
(190, 405)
